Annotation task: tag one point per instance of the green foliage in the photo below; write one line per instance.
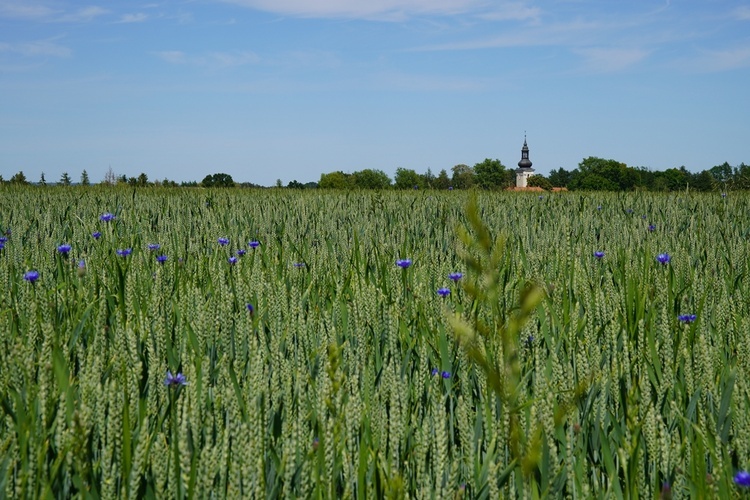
(408, 179)
(491, 174)
(85, 178)
(442, 181)
(214, 180)
(560, 177)
(539, 181)
(335, 180)
(371, 179)
(19, 178)
(463, 176)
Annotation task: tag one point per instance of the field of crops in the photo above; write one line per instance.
(581, 345)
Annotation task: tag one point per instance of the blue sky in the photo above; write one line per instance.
(289, 89)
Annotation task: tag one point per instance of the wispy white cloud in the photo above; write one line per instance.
(15, 9)
(211, 60)
(388, 10)
(606, 60)
(37, 11)
(575, 32)
(83, 15)
(38, 48)
(742, 13)
(512, 11)
(407, 82)
(720, 60)
(133, 18)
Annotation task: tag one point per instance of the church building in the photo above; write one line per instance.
(524, 170)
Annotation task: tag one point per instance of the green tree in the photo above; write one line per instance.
(371, 179)
(19, 178)
(335, 180)
(295, 185)
(65, 179)
(617, 173)
(442, 181)
(703, 181)
(541, 181)
(723, 173)
(110, 177)
(85, 178)
(142, 180)
(676, 178)
(218, 180)
(42, 180)
(428, 179)
(741, 177)
(463, 176)
(560, 177)
(407, 178)
(491, 174)
(592, 182)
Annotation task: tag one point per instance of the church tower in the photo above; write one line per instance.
(524, 170)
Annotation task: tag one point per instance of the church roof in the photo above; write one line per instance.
(525, 162)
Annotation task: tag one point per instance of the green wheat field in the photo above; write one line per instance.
(316, 366)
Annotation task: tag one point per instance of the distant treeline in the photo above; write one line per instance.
(592, 174)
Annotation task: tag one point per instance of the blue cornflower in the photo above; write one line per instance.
(443, 292)
(232, 260)
(3, 239)
(31, 276)
(96, 235)
(161, 259)
(599, 254)
(154, 246)
(241, 252)
(81, 268)
(64, 249)
(663, 258)
(435, 371)
(455, 276)
(742, 478)
(124, 252)
(651, 228)
(445, 374)
(254, 244)
(2, 245)
(666, 490)
(223, 241)
(687, 318)
(175, 380)
(541, 197)
(250, 308)
(450, 188)
(403, 263)
(723, 195)
(106, 217)
(629, 210)
(599, 207)
(299, 264)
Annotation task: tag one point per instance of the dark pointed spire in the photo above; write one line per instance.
(525, 162)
